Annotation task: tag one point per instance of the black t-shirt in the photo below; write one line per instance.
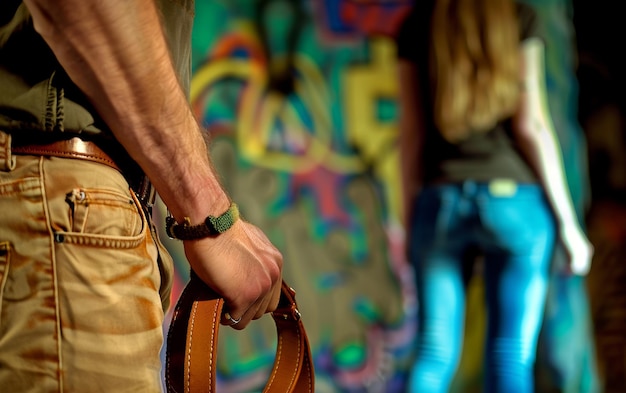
(482, 156)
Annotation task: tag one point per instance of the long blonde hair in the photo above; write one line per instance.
(474, 65)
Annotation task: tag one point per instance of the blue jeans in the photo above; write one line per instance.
(513, 228)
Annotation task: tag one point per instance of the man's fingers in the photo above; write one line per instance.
(270, 302)
(228, 319)
(237, 321)
(275, 296)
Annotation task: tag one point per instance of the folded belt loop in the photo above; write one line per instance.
(7, 161)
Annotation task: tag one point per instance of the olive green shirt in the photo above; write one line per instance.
(35, 92)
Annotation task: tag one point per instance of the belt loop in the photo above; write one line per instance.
(7, 161)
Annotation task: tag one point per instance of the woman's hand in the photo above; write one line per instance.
(578, 249)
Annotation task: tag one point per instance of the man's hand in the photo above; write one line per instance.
(242, 266)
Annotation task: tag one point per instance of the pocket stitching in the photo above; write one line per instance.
(107, 241)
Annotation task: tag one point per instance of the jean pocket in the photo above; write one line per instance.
(103, 212)
(103, 217)
(520, 222)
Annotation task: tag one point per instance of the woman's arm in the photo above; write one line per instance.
(537, 139)
(411, 128)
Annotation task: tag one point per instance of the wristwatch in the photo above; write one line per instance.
(212, 225)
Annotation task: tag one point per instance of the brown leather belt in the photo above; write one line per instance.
(67, 148)
(87, 150)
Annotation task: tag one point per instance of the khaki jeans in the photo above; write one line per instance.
(84, 281)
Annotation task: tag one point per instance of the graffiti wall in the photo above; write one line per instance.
(301, 106)
(300, 100)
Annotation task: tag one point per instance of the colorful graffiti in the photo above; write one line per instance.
(300, 100)
(303, 138)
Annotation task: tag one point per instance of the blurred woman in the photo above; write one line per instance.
(482, 172)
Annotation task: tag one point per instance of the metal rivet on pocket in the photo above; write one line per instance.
(59, 238)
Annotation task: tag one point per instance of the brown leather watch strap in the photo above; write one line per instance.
(193, 335)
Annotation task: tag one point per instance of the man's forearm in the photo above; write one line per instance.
(116, 53)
